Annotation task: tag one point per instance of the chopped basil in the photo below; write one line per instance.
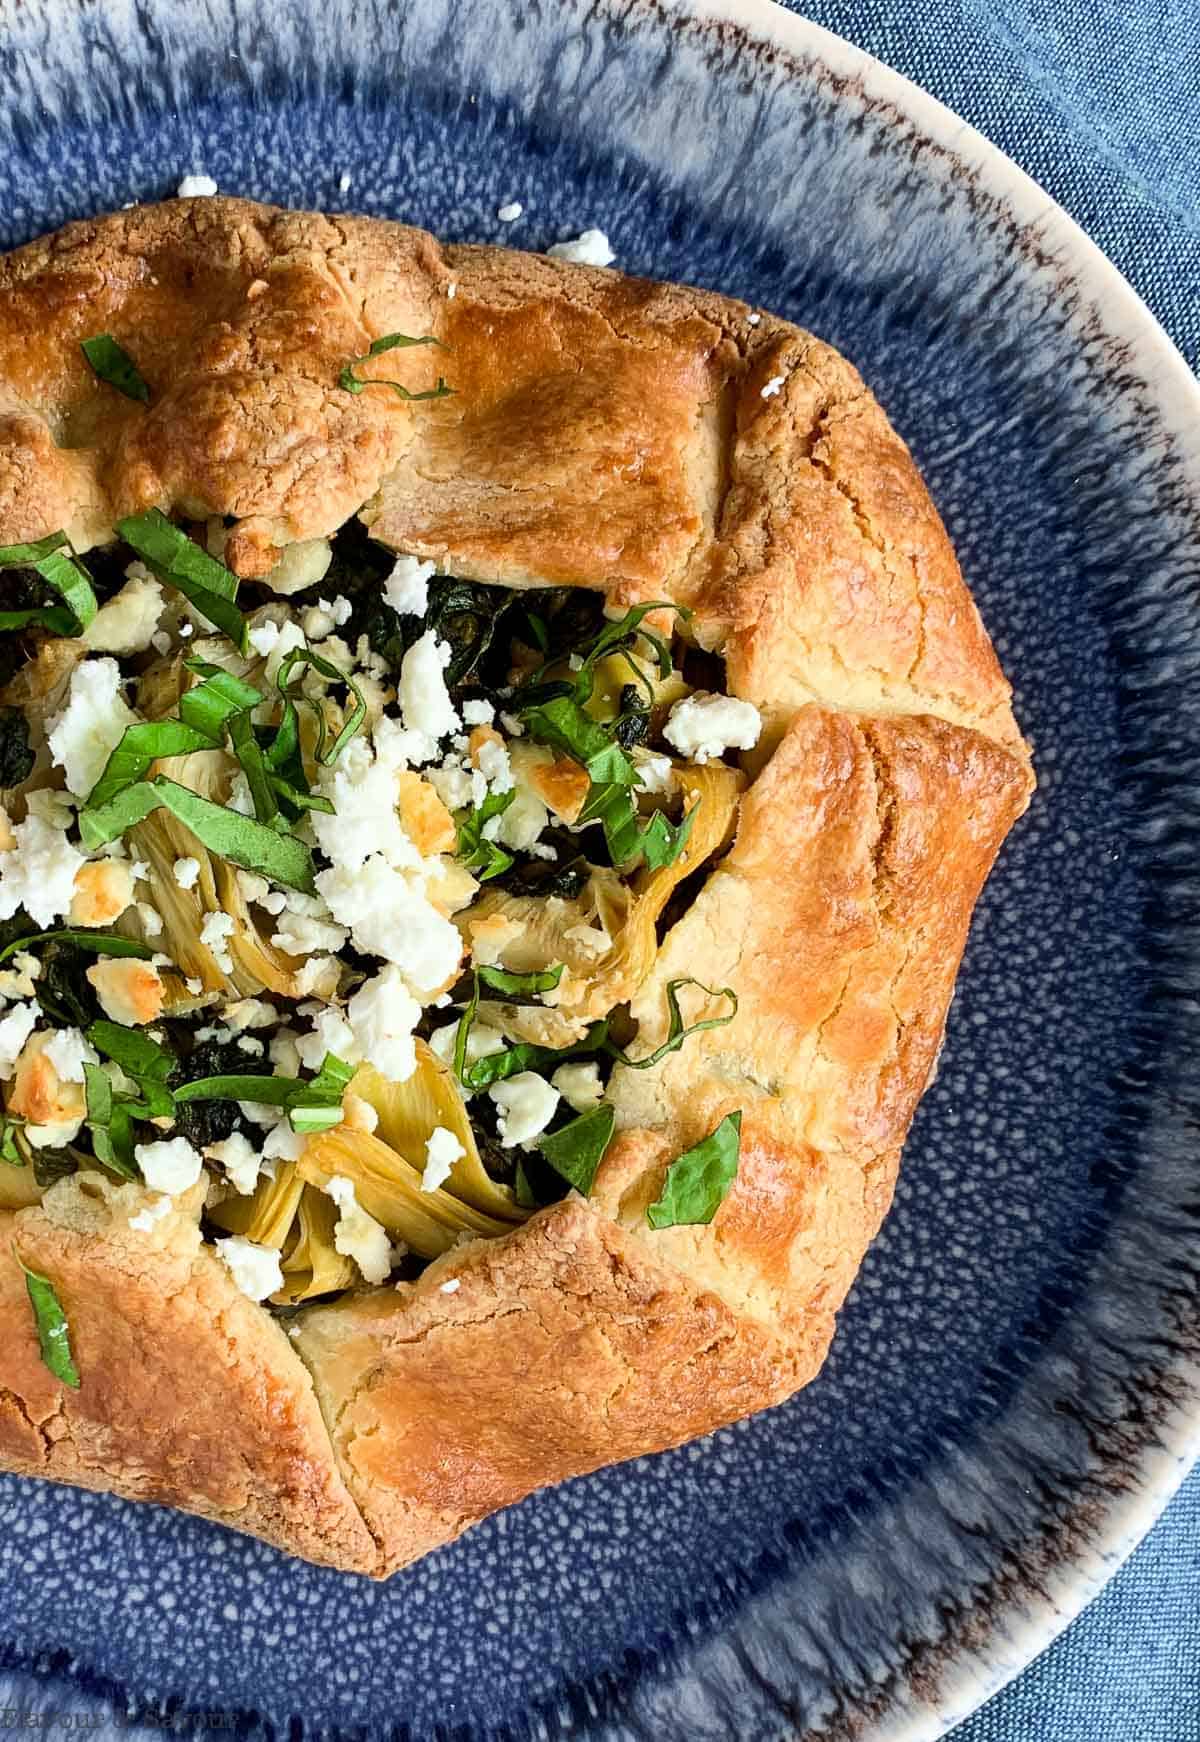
(110, 1121)
(138, 1055)
(241, 840)
(563, 725)
(248, 750)
(626, 836)
(9, 1152)
(140, 747)
(54, 1335)
(101, 942)
(332, 674)
(474, 849)
(519, 985)
(113, 364)
(576, 1150)
(60, 568)
(352, 383)
(314, 1105)
(698, 1181)
(209, 706)
(178, 560)
(677, 1031)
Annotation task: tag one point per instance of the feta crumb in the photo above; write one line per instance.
(253, 888)
(774, 385)
(186, 870)
(579, 1085)
(215, 934)
(88, 730)
(509, 213)
(196, 187)
(130, 992)
(256, 1269)
(452, 783)
(383, 1015)
(406, 589)
(171, 1166)
(38, 873)
(150, 919)
(144, 1221)
(390, 917)
(330, 1033)
(317, 623)
(68, 1051)
(241, 1161)
(494, 765)
(317, 977)
(16, 1025)
(363, 791)
(657, 773)
(451, 1287)
(194, 986)
(525, 1105)
(523, 821)
(589, 249)
(424, 699)
(481, 1040)
(248, 1044)
(358, 1235)
(702, 726)
(282, 1144)
(442, 1150)
(478, 713)
(284, 1054)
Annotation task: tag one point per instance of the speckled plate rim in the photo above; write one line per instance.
(976, 1673)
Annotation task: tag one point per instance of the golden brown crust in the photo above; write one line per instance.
(604, 431)
(189, 1394)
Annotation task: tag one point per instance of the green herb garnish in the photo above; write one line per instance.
(698, 1181)
(522, 985)
(353, 383)
(312, 1105)
(678, 1031)
(54, 560)
(576, 1150)
(241, 840)
(9, 1126)
(476, 851)
(178, 560)
(113, 364)
(54, 1335)
(331, 674)
(102, 943)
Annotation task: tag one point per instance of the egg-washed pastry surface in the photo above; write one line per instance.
(497, 760)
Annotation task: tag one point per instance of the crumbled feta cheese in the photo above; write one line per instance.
(194, 986)
(774, 386)
(85, 734)
(579, 1085)
(424, 699)
(68, 1051)
(481, 1040)
(406, 589)
(283, 1144)
(479, 712)
(390, 917)
(274, 641)
(196, 187)
(153, 1212)
(525, 1105)
(215, 934)
(256, 1269)
(39, 872)
(130, 992)
(16, 1025)
(702, 726)
(150, 919)
(383, 1015)
(317, 977)
(330, 1033)
(442, 1150)
(452, 783)
(357, 1235)
(186, 870)
(246, 1013)
(302, 934)
(317, 623)
(128, 622)
(357, 1114)
(493, 763)
(365, 819)
(510, 212)
(249, 1045)
(589, 249)
(300, 565)
(241, 1161)
(284, 1053)
(340, 609)
(139, 870)
(656, 772)
(240, 797)
(171, 1166)
(253, 888)
(451, 1287)
(523, 821)
(55, 1134)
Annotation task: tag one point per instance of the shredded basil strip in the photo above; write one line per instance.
(241, 840)
(54, 560)
(138, 1055)
(678, 1031)
(353, 383)
(176, 559)
(103, 943)
(140, 747)
(314, 1105)
(113, 364)
(220, 697)
(576, 1150)
(248, 750)
(496, 1067)
(332, 674)
(54, 1334)
(477, 853)
(9, 1126)
(517, 985)
(698, 1181)
(614, 636)
(563, 725)
(110, 1121)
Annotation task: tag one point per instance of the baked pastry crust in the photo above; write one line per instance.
(604, 431)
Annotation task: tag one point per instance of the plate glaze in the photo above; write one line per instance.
(1011, 1396)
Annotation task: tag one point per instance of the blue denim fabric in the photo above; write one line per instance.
(1099, 101)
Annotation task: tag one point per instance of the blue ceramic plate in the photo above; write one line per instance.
(1006, 1404)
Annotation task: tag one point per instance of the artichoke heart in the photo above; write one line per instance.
(313, 1265)
(409, 1114)
(266, 1216)
(389, 1189)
